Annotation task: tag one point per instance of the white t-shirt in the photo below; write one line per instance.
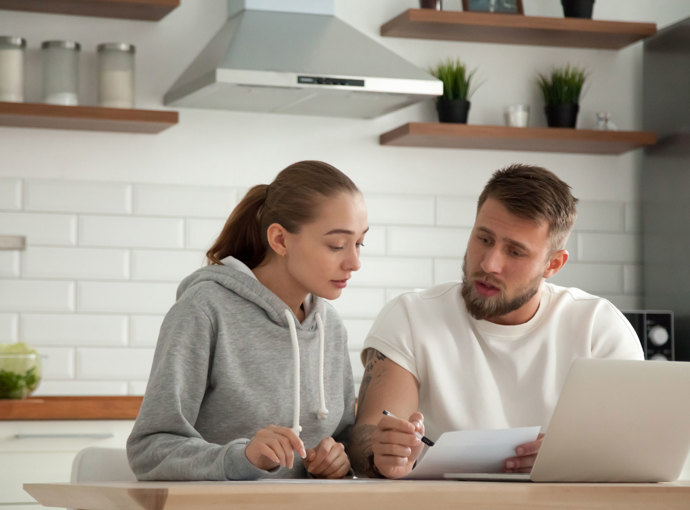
(474, 374)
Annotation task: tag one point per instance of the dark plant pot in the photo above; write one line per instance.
(562, 115)
(431, 4)
(452, 110)
(578, 8)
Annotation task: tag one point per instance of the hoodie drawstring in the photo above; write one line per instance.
(322, 412)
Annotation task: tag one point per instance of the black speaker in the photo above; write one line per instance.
(655, 330)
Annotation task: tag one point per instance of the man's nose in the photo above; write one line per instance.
(492, 262)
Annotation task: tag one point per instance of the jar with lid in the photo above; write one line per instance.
(116, 75)
(12, 68)
(60, 61)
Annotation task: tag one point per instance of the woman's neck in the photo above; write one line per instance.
(274, 275)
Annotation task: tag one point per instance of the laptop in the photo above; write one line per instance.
(615, 421)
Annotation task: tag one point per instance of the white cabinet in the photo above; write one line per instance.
(42, 451)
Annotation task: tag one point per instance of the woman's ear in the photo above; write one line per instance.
(556, 261)
(276, 236)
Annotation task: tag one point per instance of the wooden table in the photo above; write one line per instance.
(361, 495)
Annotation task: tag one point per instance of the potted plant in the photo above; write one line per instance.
(561, 90)
(577, 8)
(454, 104)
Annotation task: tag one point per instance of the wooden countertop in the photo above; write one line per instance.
(362, 494)
(70, 408)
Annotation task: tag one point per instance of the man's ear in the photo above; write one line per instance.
(276, 236)
(556, 261)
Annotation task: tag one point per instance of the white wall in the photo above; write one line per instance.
(113, 221)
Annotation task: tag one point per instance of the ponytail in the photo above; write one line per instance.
(241, 235)
(291, 200)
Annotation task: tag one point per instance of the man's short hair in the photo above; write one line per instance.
(534, 193)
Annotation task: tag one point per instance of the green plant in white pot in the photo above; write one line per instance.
(454, 104)
(562, 89)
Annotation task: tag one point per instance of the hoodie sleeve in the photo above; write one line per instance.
(164, 444)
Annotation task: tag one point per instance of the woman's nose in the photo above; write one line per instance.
(352, 262)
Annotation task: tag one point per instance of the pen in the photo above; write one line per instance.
(422, 438)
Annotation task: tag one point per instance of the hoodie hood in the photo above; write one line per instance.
(236, 277)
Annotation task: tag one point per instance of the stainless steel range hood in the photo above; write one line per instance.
(296, 57)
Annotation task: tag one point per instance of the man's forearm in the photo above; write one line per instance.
(361, 454)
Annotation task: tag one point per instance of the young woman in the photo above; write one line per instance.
(251, 364)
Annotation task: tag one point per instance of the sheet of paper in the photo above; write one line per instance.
(471, 451)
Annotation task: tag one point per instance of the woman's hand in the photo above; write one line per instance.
(274, 446)
(395, 445)
(327, 460)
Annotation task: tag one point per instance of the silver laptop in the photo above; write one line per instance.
(615, 421)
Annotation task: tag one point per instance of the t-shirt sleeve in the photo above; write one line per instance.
(392, 335)
(612, 335)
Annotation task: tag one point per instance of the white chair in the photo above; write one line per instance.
(96, 464)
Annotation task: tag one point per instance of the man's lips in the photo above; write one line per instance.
(484, 288)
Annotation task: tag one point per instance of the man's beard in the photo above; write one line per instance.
(482, 308)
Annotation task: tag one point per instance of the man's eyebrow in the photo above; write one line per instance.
(343, 231)
(508, 240)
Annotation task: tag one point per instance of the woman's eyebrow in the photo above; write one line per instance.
(343, 231)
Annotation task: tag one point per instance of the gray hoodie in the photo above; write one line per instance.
(224, 368)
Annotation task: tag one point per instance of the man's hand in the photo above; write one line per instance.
(327, 460)
(395, 445)
(274, 446)
(524, 460)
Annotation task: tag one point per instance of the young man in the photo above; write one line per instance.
(490, 352)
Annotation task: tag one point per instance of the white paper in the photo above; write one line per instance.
(471, 451)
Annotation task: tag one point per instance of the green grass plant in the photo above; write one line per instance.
(456, 78)
(563, 85)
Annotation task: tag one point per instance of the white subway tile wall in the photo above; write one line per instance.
(9, 264)
(143, 330)
(10, 194)
(183, 201)
(83, 197)
(41, 229)
(8, 327)
(103, 261)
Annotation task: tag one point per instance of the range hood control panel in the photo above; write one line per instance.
(323, 80)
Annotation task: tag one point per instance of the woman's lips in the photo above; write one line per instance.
(341, 284)
(485, 288)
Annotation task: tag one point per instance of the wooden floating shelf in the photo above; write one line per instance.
(516, 29)
(148, 10)
(70, 408)
(538, 139)
(91, 118)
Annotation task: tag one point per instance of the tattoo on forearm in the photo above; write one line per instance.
(361, 455)
(373, 357)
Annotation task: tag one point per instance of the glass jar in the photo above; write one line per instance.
(116, 75)
(20, 374)
(12, 68)
(60, 61)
